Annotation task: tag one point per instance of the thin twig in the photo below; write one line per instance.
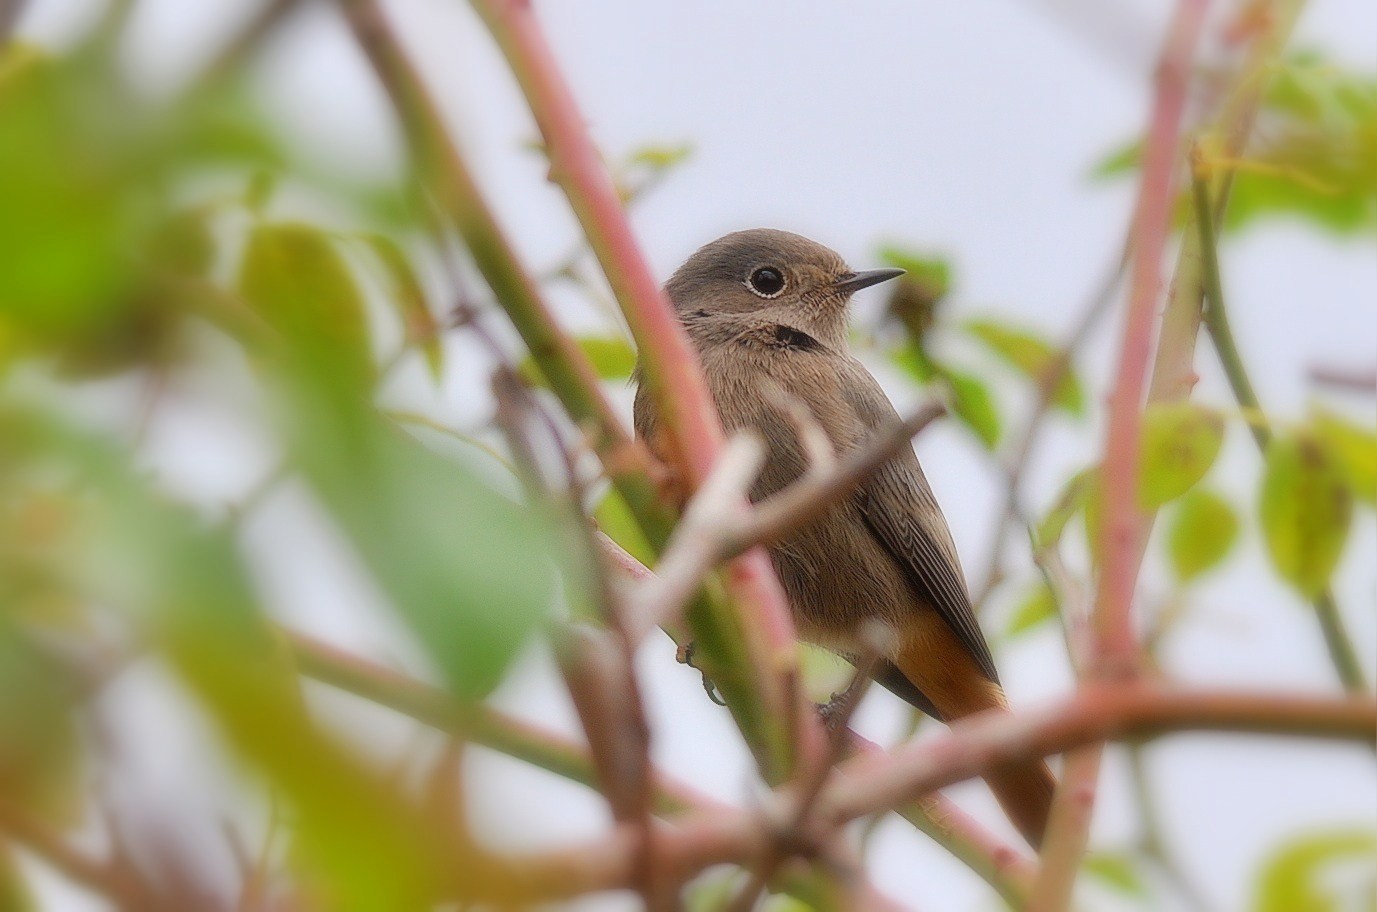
(116, 882)
(1342, 653)
(815, 493)
(1020, 455)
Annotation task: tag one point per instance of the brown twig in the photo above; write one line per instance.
(1096, 713)
(117, 882)
(1020, 454)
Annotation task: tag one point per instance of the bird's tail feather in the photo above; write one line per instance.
(1024, 790)
(956, 688)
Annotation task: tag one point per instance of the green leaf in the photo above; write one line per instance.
(617, 522)
(470, 571)
(913, 361)
(1298, 876)
(1180, 443)
(1072, 499)
(914, 300)
(409, 298)
(136, 553)
(660, 158)
(1203, 529)
(1034, 357)
(973, 404)
(1121, 161)
(1117, 870)
(1317, 159)
(1038, 606)
(931, 271)
(612, 356)
(39, 758)
(1305, 506)
(296, 279)
(1355, 450)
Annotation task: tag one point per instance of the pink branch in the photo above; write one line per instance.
(672, 368)
(1096, 713)
(1117, 648)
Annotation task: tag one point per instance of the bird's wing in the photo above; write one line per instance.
(904, 517)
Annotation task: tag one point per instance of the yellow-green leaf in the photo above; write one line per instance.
(1203, 530)
(1117, 870)
(613, 358)
(1034, 357)
(1180, 443)
(1305, 507)
(294, 276)
(1300, 876)
(973, 404)
(1072, 499)
(409, 298)
(1038, 606)
(1355, 450)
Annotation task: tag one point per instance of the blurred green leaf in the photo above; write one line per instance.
(182, 581)
(14, 892)
(612, 356)
(661, 157)
(1355, 450)
(1125, 159)
(973, 404)
(1314, 156)
(471, 571)
(1072, 499)
(1037, 607)
(914, 300)
(409, 298)
(1118, 870)
(39, 760)
(1305, 505)
(618, 523)
(296, 279)
(912, 360)
(1203, 529)
(1298, 876)
(1033, 356)
(932, 272)
(1180, 443)
(68, 228)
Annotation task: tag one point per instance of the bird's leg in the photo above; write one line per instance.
(838, 707)
(684, 656)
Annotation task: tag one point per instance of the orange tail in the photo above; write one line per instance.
(936, 662)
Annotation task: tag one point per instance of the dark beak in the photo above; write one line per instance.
(857, 280)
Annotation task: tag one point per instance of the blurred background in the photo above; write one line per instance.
(975, 142)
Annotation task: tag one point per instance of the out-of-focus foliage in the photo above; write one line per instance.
(1034, 357)
(136, 243)
(1308, 874)
(1202, 530)
(915, 304)
(1037, 607)
(612, 356)
(1180, 443)
(1305, 505)
(1314, 156)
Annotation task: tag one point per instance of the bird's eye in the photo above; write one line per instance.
(766, 281)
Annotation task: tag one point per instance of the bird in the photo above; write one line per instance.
(767, 313)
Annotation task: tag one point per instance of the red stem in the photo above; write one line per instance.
(1117, 647)
(672, 368)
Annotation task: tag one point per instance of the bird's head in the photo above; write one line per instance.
(763, 275)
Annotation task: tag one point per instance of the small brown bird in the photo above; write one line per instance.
(767, 313)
